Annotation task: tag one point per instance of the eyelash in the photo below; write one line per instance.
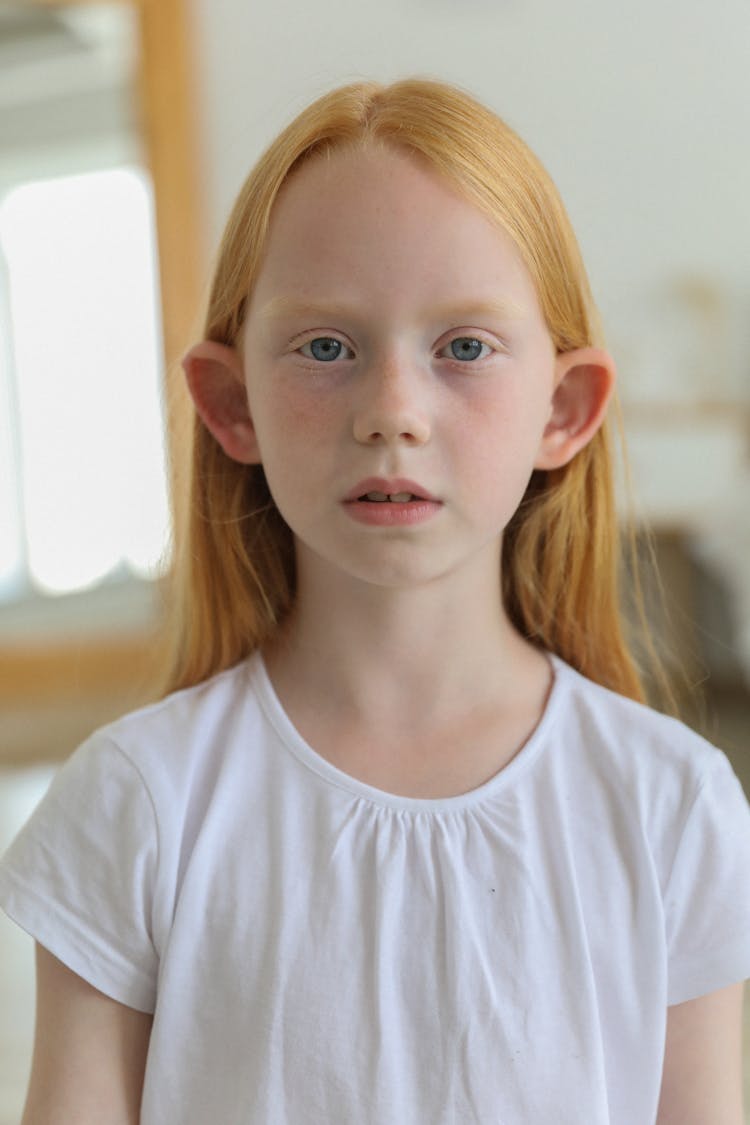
(334, 340)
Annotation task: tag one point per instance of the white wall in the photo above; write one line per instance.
(641, 111)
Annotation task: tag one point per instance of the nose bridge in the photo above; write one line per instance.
(392, 403)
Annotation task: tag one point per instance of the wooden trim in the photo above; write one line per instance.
(664, 413)
(53, 696)
(169, 115)
(37, 674)
(167, 92)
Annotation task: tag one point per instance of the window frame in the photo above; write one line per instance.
(112, 669)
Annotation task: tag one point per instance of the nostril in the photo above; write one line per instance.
(405, 426)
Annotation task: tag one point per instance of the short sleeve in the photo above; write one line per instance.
(707, 898)
(80, 875)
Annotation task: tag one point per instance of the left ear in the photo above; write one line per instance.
(584, 382)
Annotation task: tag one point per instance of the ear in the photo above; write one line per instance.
(216, 382)
(584, 382)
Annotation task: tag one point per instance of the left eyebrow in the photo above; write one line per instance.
(288, 307)
(465, 312)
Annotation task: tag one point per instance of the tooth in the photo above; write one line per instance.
(377, 496)
(401, 497)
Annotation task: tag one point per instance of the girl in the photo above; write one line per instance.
(403, 843)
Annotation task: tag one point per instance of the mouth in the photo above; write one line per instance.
(386, 498)
(377, 490)
(383, 503)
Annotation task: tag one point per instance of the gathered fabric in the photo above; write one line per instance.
(315, 950)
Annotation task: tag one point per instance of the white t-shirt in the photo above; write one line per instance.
(318, 951)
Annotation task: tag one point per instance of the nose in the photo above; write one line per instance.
(392, 405)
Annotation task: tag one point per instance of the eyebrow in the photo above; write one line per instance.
(464, 312)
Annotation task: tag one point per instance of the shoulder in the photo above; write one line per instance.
(95, 873)
(150, 772)
(630, 738)
(208, 700)
(660, 780)
(188, 726)
(677, 820)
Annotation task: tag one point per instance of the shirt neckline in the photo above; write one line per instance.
(500, 782)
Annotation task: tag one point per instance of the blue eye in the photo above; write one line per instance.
(468, 348)
(324, 348)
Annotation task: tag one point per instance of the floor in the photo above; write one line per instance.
(19, 792)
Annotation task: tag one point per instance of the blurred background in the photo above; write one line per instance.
(126, 129)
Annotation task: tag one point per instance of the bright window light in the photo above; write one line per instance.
(86, 354)
(11, 529)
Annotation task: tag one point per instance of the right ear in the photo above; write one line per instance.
(216, 382)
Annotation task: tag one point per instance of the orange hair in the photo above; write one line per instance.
(560, 551)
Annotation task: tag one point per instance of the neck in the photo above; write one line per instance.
(369, 651)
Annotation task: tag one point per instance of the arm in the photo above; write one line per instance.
(702, 1079)
(89, 1053)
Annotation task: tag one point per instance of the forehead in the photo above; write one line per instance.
(381, 217)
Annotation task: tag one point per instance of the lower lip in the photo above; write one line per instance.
(390, 514)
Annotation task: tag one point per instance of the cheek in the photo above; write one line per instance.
(297, 435)
(288, 421)
(499, 441)
(512, 418)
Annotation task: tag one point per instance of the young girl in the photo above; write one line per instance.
(403, 845)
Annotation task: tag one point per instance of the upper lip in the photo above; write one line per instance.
(390, 486)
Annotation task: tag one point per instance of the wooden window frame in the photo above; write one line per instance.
(109, 671)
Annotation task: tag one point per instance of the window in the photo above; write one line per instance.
(85, 490)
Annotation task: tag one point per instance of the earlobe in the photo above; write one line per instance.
(584, 382)
(216, 383)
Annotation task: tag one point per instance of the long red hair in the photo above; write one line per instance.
(561, 551)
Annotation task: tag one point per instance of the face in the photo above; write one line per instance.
(394, 347)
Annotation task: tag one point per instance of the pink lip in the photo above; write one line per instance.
(423, 508)
(389, 486)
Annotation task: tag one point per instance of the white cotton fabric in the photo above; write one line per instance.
(318, 951)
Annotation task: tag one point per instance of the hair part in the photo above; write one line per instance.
(561, 550)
